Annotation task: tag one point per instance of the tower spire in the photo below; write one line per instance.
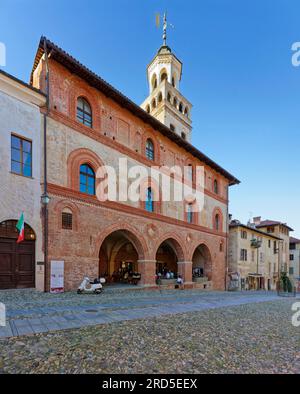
(165, 30)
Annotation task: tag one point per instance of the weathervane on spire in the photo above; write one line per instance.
(165, 29)
(165, 25)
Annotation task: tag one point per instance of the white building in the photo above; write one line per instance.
(20, 188)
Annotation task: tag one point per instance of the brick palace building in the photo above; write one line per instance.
(90, 124)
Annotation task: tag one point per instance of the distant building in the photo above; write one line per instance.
(253, 257)
(294, 270)
(281, 230)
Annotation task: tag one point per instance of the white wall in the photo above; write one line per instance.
(18, 193)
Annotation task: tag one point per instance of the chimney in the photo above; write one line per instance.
(257, 220)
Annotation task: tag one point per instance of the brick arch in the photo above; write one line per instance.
(74, 161)
(76, 91)
(60, 206)
(130, 232)
(176, 243)
(196, 245)
(217, 211)
(205, 253)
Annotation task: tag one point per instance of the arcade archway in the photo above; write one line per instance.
(119, 255)
(167, 256)
(202, 262)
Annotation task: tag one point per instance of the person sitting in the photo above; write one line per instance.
(168, 275)
(171, 275)
(179, 282)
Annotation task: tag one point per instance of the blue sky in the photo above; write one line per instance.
(237, 72)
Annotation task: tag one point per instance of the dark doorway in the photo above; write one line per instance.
(17, 261)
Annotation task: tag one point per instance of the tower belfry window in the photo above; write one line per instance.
(163, 76)
(167, 104)
(154, 82)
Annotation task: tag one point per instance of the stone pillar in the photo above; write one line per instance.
(147, 269)
(185, 270)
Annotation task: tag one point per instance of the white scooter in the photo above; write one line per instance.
(91, 287)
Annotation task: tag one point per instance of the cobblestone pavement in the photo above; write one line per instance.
(30, 312)
(253, 337)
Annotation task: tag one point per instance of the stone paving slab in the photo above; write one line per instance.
(38, 319)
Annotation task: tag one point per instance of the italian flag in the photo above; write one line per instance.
(20, 227)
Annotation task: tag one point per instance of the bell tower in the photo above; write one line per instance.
(165, 102)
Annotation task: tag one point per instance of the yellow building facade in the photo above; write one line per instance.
(254, 257)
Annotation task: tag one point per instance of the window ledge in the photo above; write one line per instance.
(23, 176)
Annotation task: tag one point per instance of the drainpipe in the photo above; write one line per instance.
(227, 239)
(45, 196)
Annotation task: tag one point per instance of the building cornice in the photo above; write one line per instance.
(18, 89)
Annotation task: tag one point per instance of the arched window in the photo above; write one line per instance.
(186, 111)
(175, 102)
(87, 179)
(160, 97)
(154, 82)
(8, 229)
(217, 222)
(190, 172)
(153, 103)
(169, 97)
(216, 186)
(164, 76)
(67, 219)
(180, 107)
(149, 204)
(189, 214)
(148, 109)
(84, 112)
(149, 149)
(173, 82)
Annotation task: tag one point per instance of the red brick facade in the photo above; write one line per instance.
(102, 231)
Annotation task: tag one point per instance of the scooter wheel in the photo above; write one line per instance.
(99, 291)
(79, 291)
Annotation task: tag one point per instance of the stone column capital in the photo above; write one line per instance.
(184, 262)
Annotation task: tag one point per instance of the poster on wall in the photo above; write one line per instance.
(57, 276)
